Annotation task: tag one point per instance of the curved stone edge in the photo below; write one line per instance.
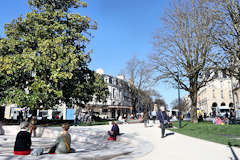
(143, 147)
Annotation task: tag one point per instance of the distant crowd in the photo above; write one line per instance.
(228, 118)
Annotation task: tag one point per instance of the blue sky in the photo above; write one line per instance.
(125, 28)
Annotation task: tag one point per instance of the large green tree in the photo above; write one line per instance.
(43, 58)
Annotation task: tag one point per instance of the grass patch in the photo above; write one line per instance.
(95, 123)
(59, 124)
(223, 134)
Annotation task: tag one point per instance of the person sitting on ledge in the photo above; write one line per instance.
(23, 140)
(63, 142)
(114, 132)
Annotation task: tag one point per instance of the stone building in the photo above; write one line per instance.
(236, 93)
(218, 92)
(118, 102)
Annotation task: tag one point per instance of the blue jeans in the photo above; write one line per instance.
(75, 121)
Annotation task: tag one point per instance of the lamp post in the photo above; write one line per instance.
(234, 106)
(231, 77)
(179, 107)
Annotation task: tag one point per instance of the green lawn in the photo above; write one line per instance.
(58, 124)
(206, 130)
(95, 123)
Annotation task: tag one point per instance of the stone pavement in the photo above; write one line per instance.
(179, 147)
(141, 143)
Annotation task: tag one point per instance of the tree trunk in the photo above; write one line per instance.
(193, 96)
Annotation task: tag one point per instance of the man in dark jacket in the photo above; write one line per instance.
(23, 141)
(163, 119)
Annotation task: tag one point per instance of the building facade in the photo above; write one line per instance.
(118, 102)
(218, 92)
(236, 93)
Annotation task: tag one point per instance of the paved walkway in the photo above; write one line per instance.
(179, 147)
(148, 142)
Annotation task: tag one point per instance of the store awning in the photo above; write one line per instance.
(120, 107)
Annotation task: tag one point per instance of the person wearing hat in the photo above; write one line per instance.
(163, 119)
(23, 141)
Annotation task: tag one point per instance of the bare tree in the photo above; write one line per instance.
(138, 72)
(139, 75)
(150, 97)
(160, 102)
(184, 105)
(145, 99)
(227, 35)
(184, 46)
(157, 97)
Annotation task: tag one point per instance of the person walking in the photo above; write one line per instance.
(33, 126)
(76, 113)
(154, 115)
(80, 118)
(20, 117)
(163, 119)
(145, 118)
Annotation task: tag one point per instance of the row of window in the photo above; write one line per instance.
(111, 80)
(204, 91)
(222, 94)
(119, 94)
(222, 84)
(217, 74)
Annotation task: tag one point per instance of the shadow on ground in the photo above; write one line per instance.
(169, 134)
(234, 154)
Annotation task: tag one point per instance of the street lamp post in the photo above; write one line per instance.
(234, 106)
(179, 107)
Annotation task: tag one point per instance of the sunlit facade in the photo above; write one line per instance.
(218, 92)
